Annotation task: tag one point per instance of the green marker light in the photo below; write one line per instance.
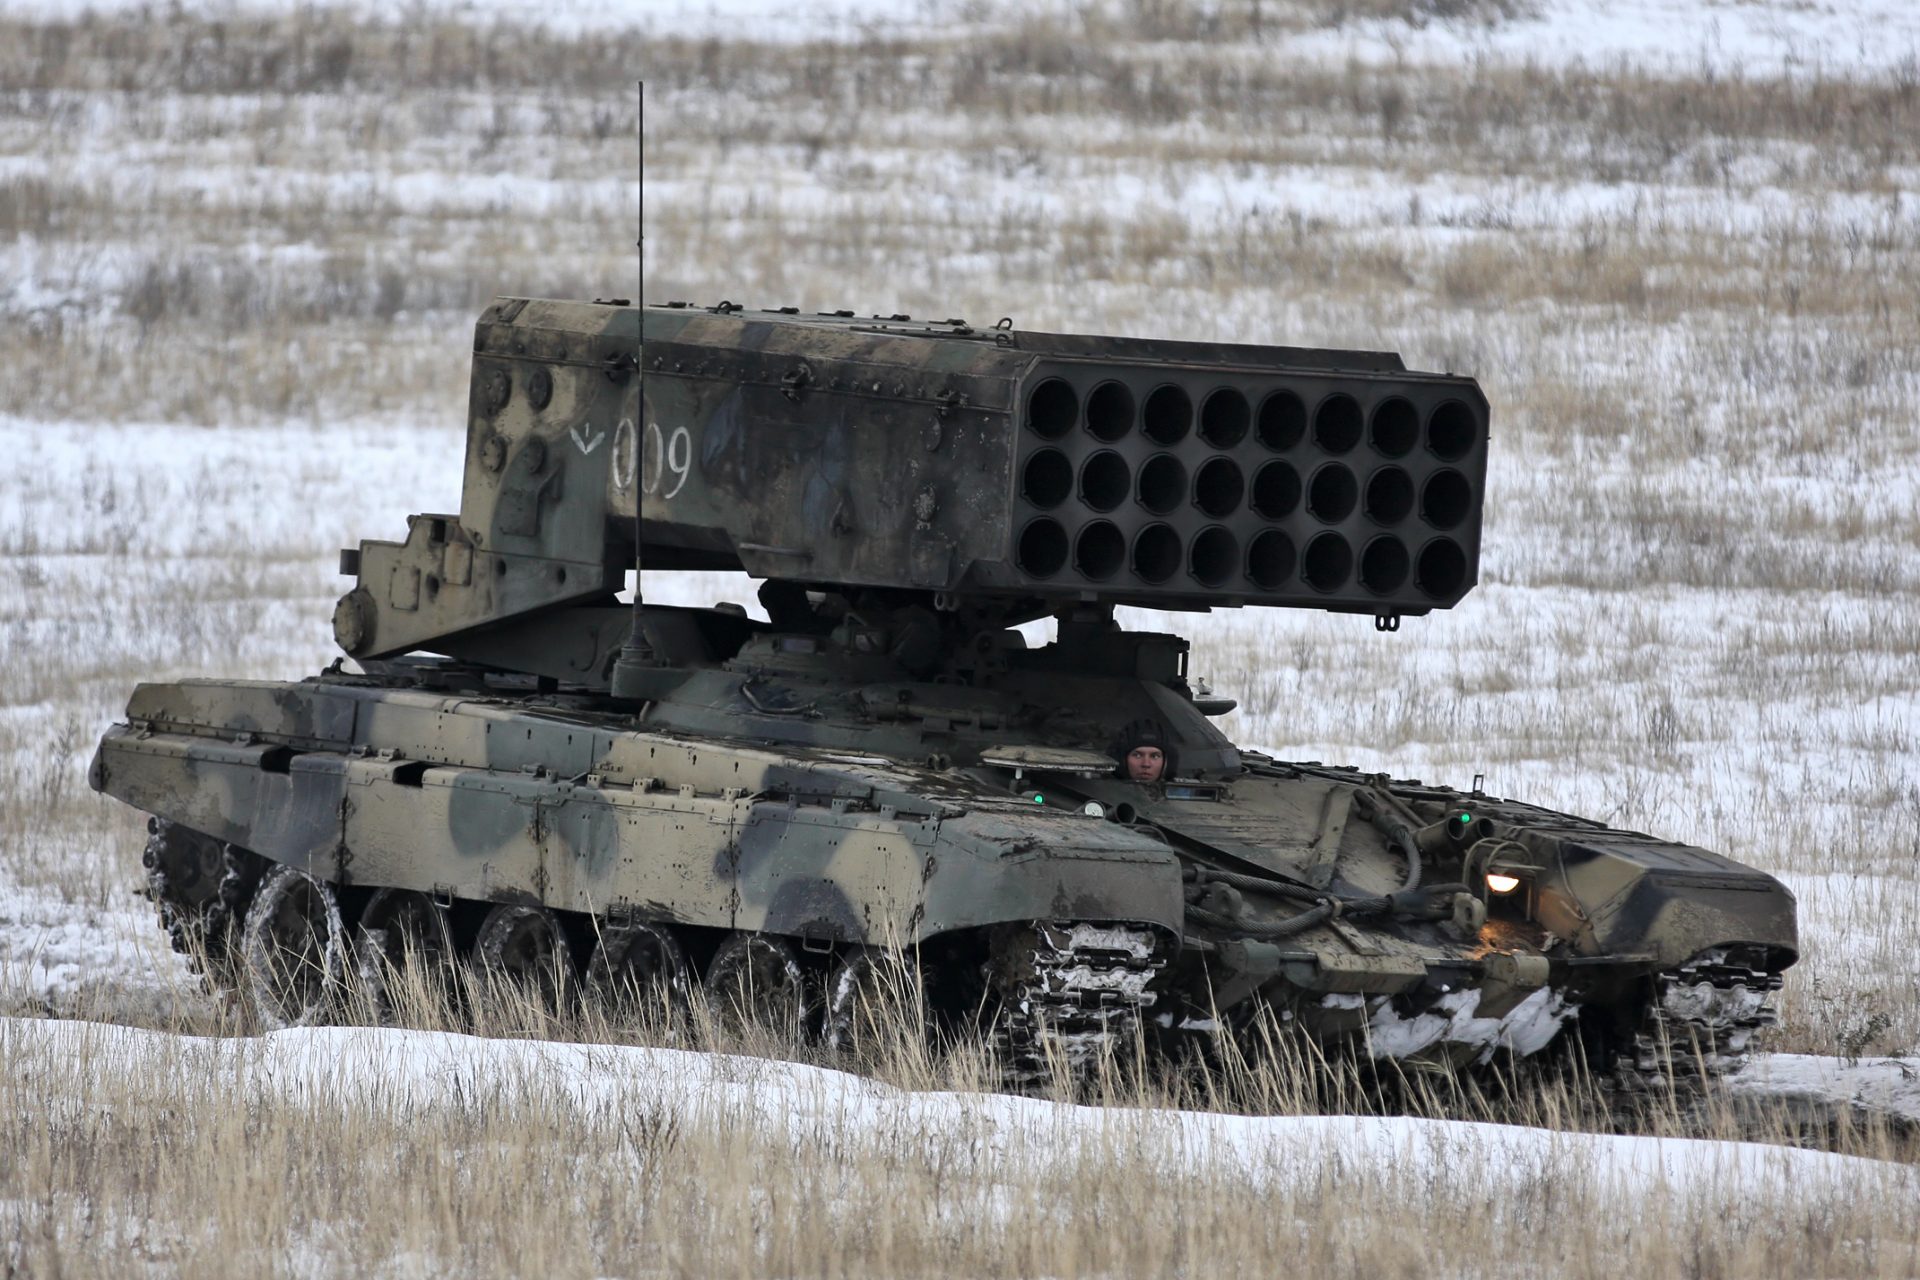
(1465, 818)
(1038, 798)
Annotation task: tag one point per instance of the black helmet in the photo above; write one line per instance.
(1145, 732)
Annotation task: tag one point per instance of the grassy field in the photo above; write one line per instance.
(240, 260)
(329, 1152)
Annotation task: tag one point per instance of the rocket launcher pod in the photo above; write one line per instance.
(992, 466)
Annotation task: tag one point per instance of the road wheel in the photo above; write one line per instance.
(755, 981)
(638, 977)
(524, 946)
(293, 949)
(873, 998)
(406, 956)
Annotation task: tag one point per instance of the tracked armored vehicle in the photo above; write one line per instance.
(515, 774)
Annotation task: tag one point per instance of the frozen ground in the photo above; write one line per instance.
(1677, 244)
(1887, 1086)
(1802, 37)
(58, 956)
(691, 19)
(418, 1073)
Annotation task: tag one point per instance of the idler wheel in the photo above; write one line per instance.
(872, 998)
(755, 982)
(406, 955)
(524, 947)
(294, 949)
(638, 977)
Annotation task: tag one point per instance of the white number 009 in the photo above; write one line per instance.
(665, 458)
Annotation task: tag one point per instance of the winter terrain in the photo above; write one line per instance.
(241, 251)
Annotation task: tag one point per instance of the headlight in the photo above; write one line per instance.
(1498, 883)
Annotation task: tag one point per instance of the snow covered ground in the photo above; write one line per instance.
(1884, 1086)
(688, 19)
(1824, 37)
(1838, 37)
(111, 958)
(418, 1072)
(1675, 241)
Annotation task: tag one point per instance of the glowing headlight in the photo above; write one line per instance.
(1497, 883)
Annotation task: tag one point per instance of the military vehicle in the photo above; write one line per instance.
(515, 775)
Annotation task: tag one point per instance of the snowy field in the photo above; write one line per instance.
(1764, 37)
(421, 1072)
(241, 252)
(1733, 37)
(1000, 1157)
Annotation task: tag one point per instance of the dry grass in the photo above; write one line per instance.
(1693, 300)
(921, 173)
(122, 1167)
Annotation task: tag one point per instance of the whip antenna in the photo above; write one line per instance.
(636, 655)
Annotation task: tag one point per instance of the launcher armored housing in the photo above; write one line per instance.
(1069, 850)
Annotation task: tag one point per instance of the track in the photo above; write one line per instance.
(1075, 1000)
(1703, 1021)
(1076, 997)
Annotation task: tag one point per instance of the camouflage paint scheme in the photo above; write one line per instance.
(888, 762)
(472, 799)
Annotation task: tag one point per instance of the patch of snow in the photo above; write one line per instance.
(1708, 1005)
(415, 1072)
(1093, 937)
(1890, 1086)
(1769, 37)
(1526, 1028)
(61, 955)
(1130, 983)
(762, 20)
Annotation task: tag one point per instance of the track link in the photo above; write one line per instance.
(201, 887)
(1702, 1021)
(1077, 998)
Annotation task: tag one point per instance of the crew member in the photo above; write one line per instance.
(1143, 752)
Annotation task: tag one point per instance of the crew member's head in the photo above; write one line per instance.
(1143, 752)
